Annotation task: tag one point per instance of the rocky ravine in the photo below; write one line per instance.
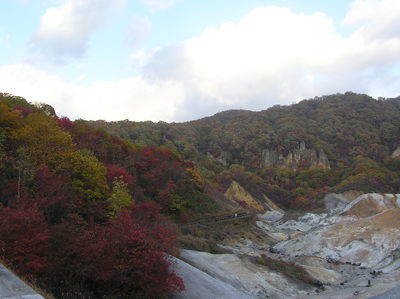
(351, 251)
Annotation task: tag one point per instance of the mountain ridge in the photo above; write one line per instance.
(317, 122)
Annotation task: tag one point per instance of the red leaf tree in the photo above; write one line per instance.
(114, 171)
(126, 255)
(24, 239)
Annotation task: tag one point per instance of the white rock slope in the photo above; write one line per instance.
(200, 285)
(246, 276)
(366, 231)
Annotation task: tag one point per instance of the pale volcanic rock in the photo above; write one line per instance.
(325, 276)
(367, 231)
(248, 277)
(370, 204)
(352, 251)
(335, 203)
(200, 285)
(271, 216)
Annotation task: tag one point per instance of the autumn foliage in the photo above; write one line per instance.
(131, 256)
(87, 214)
(76, 210)
(24, 239)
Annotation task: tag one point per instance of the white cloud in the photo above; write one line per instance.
(138, 31)
(274, 55)
(141, 58)
(271, 56)
(376, 19)
(82, 76)
(132, 98)
(155, 5)
(64, 31)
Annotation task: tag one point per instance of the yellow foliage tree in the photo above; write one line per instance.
(120, 198)
(88, 175)
(9, 118)
(44, 141)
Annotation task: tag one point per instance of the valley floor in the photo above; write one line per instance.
(350, 252)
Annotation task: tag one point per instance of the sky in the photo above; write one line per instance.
(179, 60)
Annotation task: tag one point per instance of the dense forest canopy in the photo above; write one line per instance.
(343, 125)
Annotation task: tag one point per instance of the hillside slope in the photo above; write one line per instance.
(343, 141)
(342, 125)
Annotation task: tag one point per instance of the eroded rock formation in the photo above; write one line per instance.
(222, 158)
(300, 157)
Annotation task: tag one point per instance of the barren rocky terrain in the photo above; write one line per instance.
(350, 251)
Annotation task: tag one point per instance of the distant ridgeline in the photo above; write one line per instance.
(292, 154)
(323, 132)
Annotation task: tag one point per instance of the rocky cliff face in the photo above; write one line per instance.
(222, 158)
(301, 157)
(239, 194)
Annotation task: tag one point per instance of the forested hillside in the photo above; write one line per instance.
(292, 153)
(343, 125)
(86, 214)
